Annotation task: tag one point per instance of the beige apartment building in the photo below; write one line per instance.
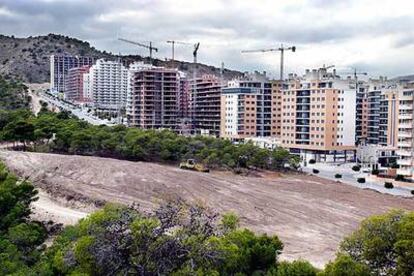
(276, 123)
(318, 115)
(238, 113)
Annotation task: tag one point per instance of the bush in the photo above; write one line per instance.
(399, 177)
(312, 161)
(361, 180)
(388, 185)
(375, 172)
(338, 175)
(298, 267)
(412, 192)
(356, 168)
(315, 171)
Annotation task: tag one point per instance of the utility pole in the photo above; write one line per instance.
(281, 49)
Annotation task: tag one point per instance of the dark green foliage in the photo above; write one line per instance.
(176, 239)
(312, 161)
(13, 95)
(388, 185)
(400, 177)
(356, 168)
(375, 172)
(20, 239)
(315, 171)
(344, 265)
(299, 267)
(361, 180)
(412, 192)
(78, 137)
(337, 175)
(385, 243)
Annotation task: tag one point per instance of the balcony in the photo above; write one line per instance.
(405, 134)
(405, 125)
(405, 116)
(405, 172)
(406, 107)
(404, 144)
(404, 153)
(404, 162)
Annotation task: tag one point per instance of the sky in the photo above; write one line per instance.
(374, 36)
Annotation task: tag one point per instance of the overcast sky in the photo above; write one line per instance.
(376, 36)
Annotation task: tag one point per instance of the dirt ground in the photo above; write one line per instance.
(309, 214)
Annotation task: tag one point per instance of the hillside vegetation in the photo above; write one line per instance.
(27, 59)
(62, 133)
(13, 95)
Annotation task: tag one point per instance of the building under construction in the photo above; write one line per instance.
(74, 84)
(205, 104)
(152, 96)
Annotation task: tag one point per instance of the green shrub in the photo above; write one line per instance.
(375, 172)
(338, 175)
(312, 161)
(356, 168)
(315, 171)
(399, 177)
(388, 185)
(412, 192)
(361, 180)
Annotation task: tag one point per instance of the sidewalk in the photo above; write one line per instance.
(328, 171)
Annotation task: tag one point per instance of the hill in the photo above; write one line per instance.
(27, 59)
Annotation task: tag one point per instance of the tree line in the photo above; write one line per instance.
(181, 239)
(64, 133)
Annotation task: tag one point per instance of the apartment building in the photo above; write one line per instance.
(107, 85)
(318, 115)
(74, 84)
(276, 111)
(406, 134)
(59, 67)
(266, 89)
(183, 100)
(238, 113)
(152, 96)
(205, 104)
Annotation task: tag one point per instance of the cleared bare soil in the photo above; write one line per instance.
(309, 214)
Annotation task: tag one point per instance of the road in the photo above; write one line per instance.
(75, 110)
(328, 171)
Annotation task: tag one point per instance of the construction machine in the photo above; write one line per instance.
(191, 164)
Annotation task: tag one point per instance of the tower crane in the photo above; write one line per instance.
(281, 49)
(149, 47)
(173, 42)
(196, 46)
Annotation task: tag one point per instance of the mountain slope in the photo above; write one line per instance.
(27, 59)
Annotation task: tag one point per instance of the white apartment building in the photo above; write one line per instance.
(406, 133)
(107, 85)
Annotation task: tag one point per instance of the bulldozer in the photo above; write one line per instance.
(191, 164)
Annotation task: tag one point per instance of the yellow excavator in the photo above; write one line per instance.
(191, 164)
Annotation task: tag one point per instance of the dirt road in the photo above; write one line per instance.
(309, 214)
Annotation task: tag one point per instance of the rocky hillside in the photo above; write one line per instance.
(28, 58)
